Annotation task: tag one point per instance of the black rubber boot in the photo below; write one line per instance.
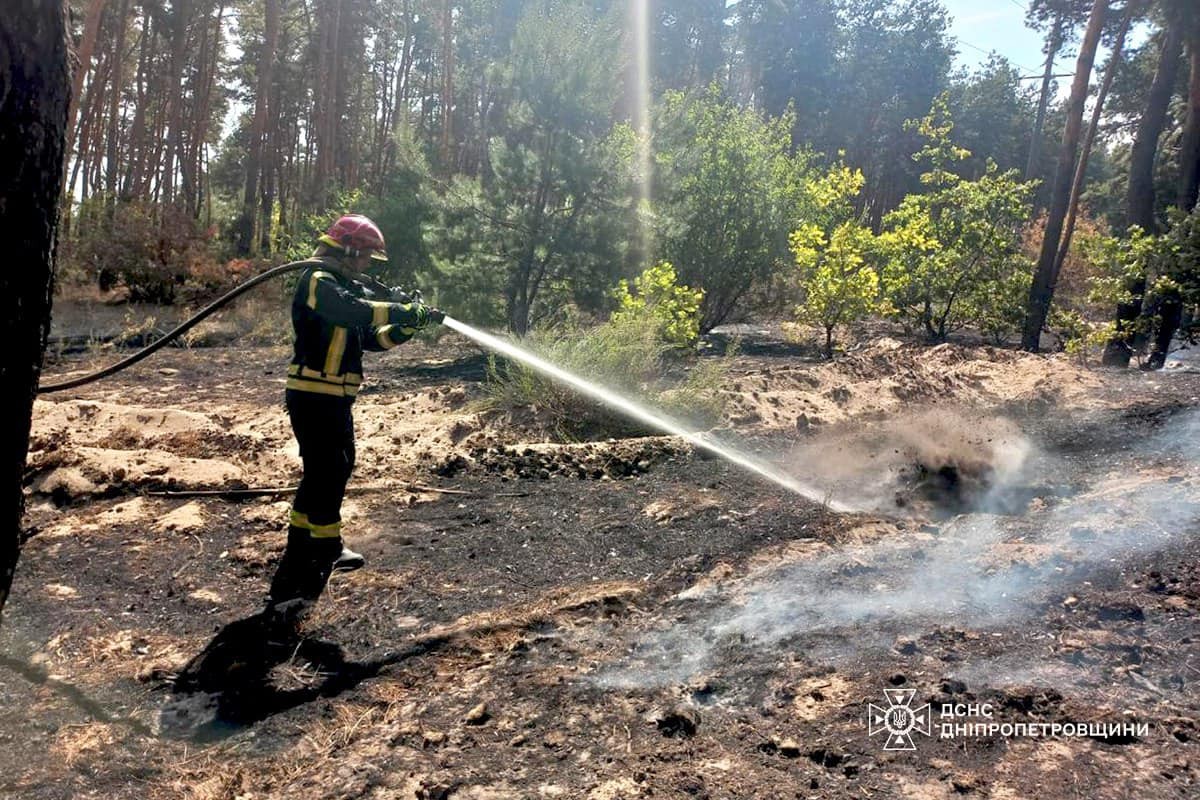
(348, 561)
(301, 575)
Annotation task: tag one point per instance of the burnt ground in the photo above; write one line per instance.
(619, 618)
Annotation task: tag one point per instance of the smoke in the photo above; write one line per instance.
(935, 463)
(980, 570)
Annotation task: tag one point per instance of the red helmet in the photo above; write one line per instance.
(356, 235)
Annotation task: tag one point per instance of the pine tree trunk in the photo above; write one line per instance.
(1139, 196)
(83, 56)
(1089, 138)
(1046, 276)
(33, 126)
(1170, 307)
(179, 18)
(247, 238)
(137, 131)
(270, 164)
(112, 155)
(447, 83)
(1189, 145)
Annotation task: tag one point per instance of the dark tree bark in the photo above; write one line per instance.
(112, 152)
(87, 46)
(247, 239)
(1139, 195)
(1140, 192)
(1170, 306)
(178, 21)
(1089, 138)
(1046, 276)
(35, 87)
(1189, 145)
(131, 183)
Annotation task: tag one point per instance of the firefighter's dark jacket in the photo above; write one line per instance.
(335, 319)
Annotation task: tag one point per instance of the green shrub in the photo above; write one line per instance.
(627, 355)
(833, 252)
(1114, 264)
(951, 254)
(657, 292)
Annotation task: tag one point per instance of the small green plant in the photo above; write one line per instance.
(658, 293)
(951, 254)
(1115, 264)
(627, 355)
(1078, 336)
(839, 283)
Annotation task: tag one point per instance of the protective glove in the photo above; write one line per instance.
(408, 315)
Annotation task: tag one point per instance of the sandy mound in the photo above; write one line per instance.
(888, 376)
(96, 471)
(92, 422)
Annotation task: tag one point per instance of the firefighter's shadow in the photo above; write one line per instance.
(251, 671)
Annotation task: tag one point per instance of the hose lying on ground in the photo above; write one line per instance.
(183, 328)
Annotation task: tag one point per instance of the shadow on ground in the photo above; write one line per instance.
(252, 670)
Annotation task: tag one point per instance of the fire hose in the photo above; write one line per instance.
(182, 328)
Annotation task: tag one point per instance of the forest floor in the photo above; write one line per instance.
(621, 618)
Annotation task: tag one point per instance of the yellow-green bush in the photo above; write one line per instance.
(658, 293)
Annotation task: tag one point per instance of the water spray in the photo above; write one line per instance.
(613, 400)
(640, 413)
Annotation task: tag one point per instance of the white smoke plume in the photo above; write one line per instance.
(981, 570)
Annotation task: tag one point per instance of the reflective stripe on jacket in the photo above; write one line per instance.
(335, 318)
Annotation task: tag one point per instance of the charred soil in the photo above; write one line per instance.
(615, 619)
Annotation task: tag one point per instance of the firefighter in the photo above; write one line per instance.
(337, 312)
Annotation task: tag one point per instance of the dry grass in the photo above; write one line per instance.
(347, 722)
(262, 318)
(77, 744)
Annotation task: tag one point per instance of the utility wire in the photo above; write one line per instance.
(964, 42)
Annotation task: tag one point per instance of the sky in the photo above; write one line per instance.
(985, 25)
(982, 26)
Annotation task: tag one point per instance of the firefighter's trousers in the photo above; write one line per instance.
(324, 429)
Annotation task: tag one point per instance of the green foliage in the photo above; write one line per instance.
(833, 256)
(299, 243)
(840, 286)
(159, 255)
(1116, 263)
(1178, 257)
(730, 188)
(402, 206)
(794, 49)
(657, 292)
(549, 222)
(626, 354)
(895, 58)
(993, 113)
(951, 255)
(1169, 265)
